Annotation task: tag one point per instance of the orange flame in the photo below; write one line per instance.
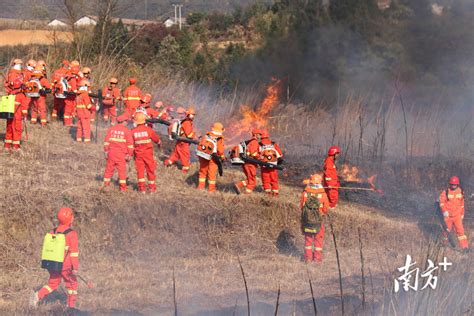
(350, 173)
(255, 119)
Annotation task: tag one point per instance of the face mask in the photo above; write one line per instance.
(191, 116)
(29, 68)
(17, 67)
(83, 88)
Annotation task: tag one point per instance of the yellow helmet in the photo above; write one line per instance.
(139, 118)
(217, 128)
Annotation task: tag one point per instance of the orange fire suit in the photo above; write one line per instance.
(208, 168)
(143, 138)
(15, 80)
(70, 264)
(250, 169)
(58, 106)
(131, 97)
(70, 101)
(331, 180)
(110, 96)
(269, 175)
(118, 146)
(452, 204)
(314, 239)
(83, 109)
(39, 104)
(181, 150)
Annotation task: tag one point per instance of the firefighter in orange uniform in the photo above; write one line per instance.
(331, 181)
(143, 138)
(118, 149)
(70, 101)
(59, 97)
(314, 205)
(38, 100)
(70, 265)
(13, 86)
(451, 202)
(210, 148)
(271, 153)
(131, 97)
(30, 68)
(181, 150)
(250, 148)
(110, 96)
(83, 110)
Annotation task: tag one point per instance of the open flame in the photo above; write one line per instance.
(255, 119)
(350, 174)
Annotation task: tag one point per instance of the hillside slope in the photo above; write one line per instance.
(130, 243)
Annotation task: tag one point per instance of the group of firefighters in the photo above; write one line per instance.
(73, 98)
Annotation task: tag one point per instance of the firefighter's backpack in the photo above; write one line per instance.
(60, 88)
(237, 152)
(270, 154)
(54, 246)
(32, 88)
(206, 147)
(310, 215)
(174, 129)
(7, 106)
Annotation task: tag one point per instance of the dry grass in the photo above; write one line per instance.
(27, 37)
(130, 243)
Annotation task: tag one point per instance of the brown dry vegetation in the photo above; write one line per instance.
(13, 37)
(130, 243)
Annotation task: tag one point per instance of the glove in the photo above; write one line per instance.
(445, 214)
(462, 217)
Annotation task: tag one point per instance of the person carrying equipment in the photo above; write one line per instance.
(314, 206)
(60, 256)
(210, 151)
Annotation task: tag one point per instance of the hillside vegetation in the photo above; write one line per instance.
(130, 243)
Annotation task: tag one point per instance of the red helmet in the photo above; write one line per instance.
(454, 180)
(146, 98)
(334, 150)
(132, 80)
(65, 216)
(256, 131)
(264, 133)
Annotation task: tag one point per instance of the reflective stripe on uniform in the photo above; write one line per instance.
(16, 142)
(119, 140)
(24, 111)
(310, 230)
(74, 254)
(86, 140)
(67, 116)
(71, 292)
(328, 179)
(141, 180)
(122, 181)
(8, 141)
(185, 168)
(459, 196)
(212, 181)
(130, 146)
(79, 139)
(48, 288)
(145, 141)
(268, 190)
(43, 121)
(318, 249)
(132, 98)
(248, 190)
(244, 183)
(202, 179)
(275, 191)
(308, 247)
(106, 143)
(81, 106)
(462, 237)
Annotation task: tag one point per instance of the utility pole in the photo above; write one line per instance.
(180, 19)
(175, 13)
